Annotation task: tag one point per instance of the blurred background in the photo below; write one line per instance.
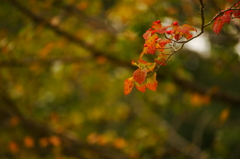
(62, 69)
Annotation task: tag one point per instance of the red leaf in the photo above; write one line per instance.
(221, 20)
(226, 17)
(128, 85)
(140, 75)
(151, 49)
(152, 82)
(236, 13)
(147, 34)
(175, 32)
(177, 36)
(142, 62)
(161, 44)
(150, 43)
(185, 29)
(217, 25)
(156, 25)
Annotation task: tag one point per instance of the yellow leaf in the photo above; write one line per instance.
(224, 115)
(199, 100)
(119, 143)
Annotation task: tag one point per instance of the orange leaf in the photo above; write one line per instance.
(43, 142)
(119, 143)
(161, 59)
(162, 43)
(158, 27)
(150, 66)
(93, 138)
(141, 87)
(140, 75)
(152, 82)
(150, 43)
(224, 115)
(13, 147)
(185, 29)
(28, 142)
(55, 141)
(128, 85)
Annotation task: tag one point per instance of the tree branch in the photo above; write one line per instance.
(173, 138)
(44, 62)
(42, 21)
(184, 84)
(69, 144)
(219, 13)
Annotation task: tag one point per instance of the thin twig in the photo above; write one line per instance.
(221, 12)
(232, 99)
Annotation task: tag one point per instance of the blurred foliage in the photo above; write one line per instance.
(70, 87)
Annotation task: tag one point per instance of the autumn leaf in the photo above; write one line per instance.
(147, 34)
(236, 13)
(55, 140)
(141, 87)
(43, 142)
(150, 44)
(217, 25)
(161, 59)
(161, 43)
(152, 82)
(119, 143)
(175, 32)
(182, 31)
(128, 85)
(140, 75)
(150, 66)
(28, 141)
(13, 147)
(158, 27)
(224, 115)
(226, 17)
(142, 63)
(185, 29)
(221, 20)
